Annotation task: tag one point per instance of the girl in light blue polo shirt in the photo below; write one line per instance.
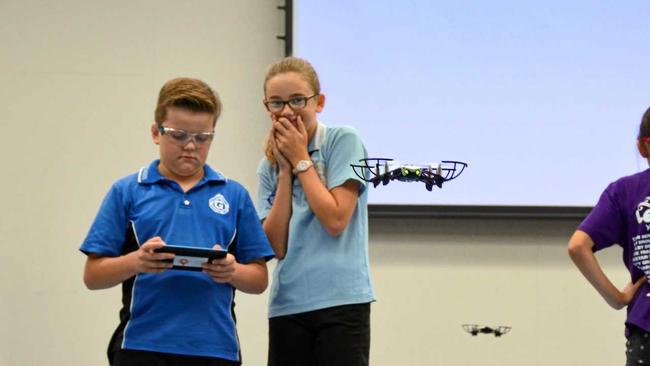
(315, 215)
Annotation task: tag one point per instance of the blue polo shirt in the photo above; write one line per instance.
(320, 270)
(178, 312)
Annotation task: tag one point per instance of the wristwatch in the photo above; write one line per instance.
(302, 166)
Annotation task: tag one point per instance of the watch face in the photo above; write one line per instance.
(302, 166)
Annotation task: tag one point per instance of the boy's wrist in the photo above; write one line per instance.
(235, 270)
(130, 263)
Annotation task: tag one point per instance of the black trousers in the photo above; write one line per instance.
(637, 346)
(127, 357)
(336, 336)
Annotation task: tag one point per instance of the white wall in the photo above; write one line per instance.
(78, 84)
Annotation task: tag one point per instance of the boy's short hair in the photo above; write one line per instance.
(187, 93)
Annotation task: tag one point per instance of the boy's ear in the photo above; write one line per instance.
(155, 133)
(643, 148)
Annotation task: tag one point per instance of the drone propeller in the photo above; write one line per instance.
(368, 164)
(472, 329)
(501, 330)
(429, 181)
(387, 174)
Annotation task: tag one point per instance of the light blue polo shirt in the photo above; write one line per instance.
(319, 270)
(179, 312)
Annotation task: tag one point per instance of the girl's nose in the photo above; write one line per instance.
(286, 110)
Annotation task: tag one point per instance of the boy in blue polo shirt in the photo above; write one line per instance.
(172, 317)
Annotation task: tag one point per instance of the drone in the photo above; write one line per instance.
(475, 329)
(384, 170)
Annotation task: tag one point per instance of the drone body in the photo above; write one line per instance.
(383, 170)
(475, 329)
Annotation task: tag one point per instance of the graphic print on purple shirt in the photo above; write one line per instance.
(641, 242)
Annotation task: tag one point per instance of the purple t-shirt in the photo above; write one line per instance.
(622, 216)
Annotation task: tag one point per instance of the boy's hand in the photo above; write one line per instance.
(146, 261)
(221, 270)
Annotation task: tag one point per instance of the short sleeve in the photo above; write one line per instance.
(251, 241)
(108, 231)
(344, 147)
(266, 189)
(605, 224)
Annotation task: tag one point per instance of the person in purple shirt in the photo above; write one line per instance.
(622, 216)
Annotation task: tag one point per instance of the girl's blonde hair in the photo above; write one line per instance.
(285, 65)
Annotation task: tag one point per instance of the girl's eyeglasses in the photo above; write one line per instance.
(277, 105)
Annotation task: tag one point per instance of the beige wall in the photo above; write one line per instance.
(78, 85)
(78, 82)
(431, 276)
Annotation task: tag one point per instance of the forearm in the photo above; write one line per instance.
(582, 255)
(276, 224)
(106, 272)
(588, 265)
(330, 213)
(251, 278)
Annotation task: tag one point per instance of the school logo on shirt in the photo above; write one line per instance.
(219, 204)
(643, 211)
